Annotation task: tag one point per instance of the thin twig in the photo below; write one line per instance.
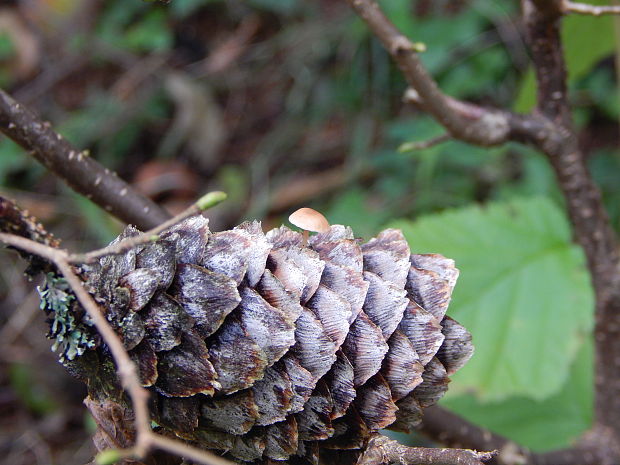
(382, 450)
(205, 202)
(80, 171)
(184, 450)
(126, 369)
(586, 9)
(490, 127)
(452, 430)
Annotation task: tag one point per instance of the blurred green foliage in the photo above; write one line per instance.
(311, 90)
(32, 394)
(542, 425)
(6, 47)
(135, 26)
(13, 161)
(7, 52)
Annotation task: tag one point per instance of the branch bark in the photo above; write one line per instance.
(463, 121)
(447, 428)
(590, 222)
(382, 450)
(16, 221)
(83, 174)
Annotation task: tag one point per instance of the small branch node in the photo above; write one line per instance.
(210, 200)
(401, 44)
(412, 96)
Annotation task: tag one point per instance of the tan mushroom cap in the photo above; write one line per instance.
(309, 220)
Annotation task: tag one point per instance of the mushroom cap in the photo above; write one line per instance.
(309, 219)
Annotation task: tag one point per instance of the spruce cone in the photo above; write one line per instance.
(266, 348)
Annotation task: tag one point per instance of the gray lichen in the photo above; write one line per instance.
(72, 335)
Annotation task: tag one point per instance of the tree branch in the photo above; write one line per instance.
(542, 21)
(590, 222)
(424, 144)
(585, 207)
(481, 127)
(550, 129)
(463, 120)
(14, 220)
(452, 430)
(586, 9)
(83, 174)
(382, 450)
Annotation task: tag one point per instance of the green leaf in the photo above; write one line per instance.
(7, 48)
(135, 25)
(523, 293)
(152, 34)
(551, 424)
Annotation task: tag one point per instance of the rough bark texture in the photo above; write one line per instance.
(14, 220)
(453, 431)
(587, 214)
(83, 174)
(382, 450)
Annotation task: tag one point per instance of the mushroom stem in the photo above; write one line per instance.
(309, 220)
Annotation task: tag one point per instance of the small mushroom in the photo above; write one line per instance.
(309, 220)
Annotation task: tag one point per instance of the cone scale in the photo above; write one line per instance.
(268, 347)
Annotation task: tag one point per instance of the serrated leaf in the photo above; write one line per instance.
(523, 293)
(551, 424)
